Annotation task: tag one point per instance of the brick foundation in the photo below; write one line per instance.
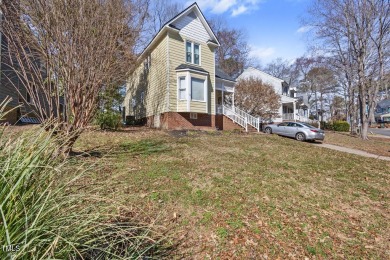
(224, 123)
(180, 121)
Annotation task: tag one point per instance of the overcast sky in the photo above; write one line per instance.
(273, 26)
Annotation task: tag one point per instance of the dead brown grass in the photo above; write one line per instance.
(235, 196)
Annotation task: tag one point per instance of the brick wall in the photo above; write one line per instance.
(225, 123)
(179, 121)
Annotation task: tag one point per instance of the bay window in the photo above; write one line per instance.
(197, 89)
(182, 88)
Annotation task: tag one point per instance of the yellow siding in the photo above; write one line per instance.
(176, 58)
(155, 81)
(198, 107)
(182, 106)
(152, 82)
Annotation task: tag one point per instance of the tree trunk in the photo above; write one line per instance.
(316, 100)
(321, 108)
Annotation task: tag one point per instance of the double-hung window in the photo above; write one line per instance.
(182, 88)
(192, 53)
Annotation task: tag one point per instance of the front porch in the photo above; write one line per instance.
(224, 96)
(288, 112)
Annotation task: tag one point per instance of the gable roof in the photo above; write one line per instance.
(384, 103)
(195, 8)
(251, 69)
(170, 26)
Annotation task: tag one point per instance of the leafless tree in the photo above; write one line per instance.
(70, 50)
(257, 98)
(158, 13)
(233, 54)
(357, 33)
(322, 82)
(285, 70)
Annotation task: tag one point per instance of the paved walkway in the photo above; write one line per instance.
(353, 151)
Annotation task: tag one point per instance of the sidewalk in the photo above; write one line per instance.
(352, 151)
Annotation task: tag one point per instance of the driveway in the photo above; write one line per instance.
(380, 131)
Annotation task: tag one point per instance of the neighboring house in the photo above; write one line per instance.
(382, 112)
(303, 106)
(289, 106)
(19, 107)
(176, 84)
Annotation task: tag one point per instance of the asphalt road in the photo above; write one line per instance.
(380, 131)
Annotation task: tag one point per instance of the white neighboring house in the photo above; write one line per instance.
(288, 107)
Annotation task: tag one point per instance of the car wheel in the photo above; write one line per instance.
(268, 130)
(300, 137)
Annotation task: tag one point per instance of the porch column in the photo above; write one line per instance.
(223, 101)
(294, 110)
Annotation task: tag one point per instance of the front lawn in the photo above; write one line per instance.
(229, 195)
(375, 145)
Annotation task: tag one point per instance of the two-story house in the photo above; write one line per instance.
(382, 112)
(176, 84)
(288, 108)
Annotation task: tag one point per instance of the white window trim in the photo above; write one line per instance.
(185, 88)
(193, 53)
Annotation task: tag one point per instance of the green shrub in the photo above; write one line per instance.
(108, 119)
(341, 126)
(326, 125)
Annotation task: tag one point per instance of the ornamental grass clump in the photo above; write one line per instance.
(42, 218)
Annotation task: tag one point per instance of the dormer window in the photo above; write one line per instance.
(193, 53)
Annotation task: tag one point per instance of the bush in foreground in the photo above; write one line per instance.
(41, 219)
(108, 120)
(339, 126)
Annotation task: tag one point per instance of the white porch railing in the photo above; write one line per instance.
(219, 109)
(253, 121)
(242, 121)
(241, 117)
(288, 116)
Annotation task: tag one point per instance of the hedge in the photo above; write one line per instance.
(339, 126)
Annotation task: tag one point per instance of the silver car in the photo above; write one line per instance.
(297, 130)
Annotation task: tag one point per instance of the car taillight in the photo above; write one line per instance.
(315, 131)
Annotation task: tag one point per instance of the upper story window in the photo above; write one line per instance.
(147, 63)
(285, 90)
(193, 53)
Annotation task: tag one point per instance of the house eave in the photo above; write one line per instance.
(193, 70)
(225, 80)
